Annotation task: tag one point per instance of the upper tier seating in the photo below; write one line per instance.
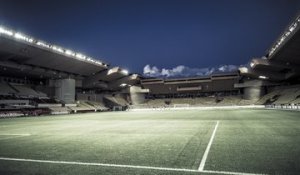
(286, 96)
(82, 106)
(26, 91)
(116, 100)
(5, 89)
(281, 96)
(97, 105)
(196, 101)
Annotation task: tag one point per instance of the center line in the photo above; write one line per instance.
(202, 164)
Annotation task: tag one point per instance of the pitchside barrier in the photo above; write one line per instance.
(284, 107)
(118, 108)
(181, 105)
(199, 107)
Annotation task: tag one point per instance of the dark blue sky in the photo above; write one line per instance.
(133, 33)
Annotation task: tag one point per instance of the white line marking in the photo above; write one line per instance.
(98, 164)
(123, 166)
(202, 163)
(228, 172)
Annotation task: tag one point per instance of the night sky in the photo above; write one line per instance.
(162, 33)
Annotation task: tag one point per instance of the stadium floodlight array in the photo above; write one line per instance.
(22, 37)
(245, 70)
(288, 32)
(117, 70)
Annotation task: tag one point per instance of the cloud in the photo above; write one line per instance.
(151, 71)
(185, 71)
(228, 68)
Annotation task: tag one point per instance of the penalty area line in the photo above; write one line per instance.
(202, 163)
(122, 166)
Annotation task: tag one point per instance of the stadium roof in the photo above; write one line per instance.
(22, 50)
(283, 59)
(25, 56)
(111, 79)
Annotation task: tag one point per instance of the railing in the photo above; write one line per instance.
(284, 106)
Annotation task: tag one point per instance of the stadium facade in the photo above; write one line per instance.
(41, 78)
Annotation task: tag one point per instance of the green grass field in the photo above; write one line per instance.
(157, 142)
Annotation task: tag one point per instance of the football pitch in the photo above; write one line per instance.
(245, 141)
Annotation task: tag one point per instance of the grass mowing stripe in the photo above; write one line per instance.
(202, 163)
(122, 166)
(15, 134)
(12, 136)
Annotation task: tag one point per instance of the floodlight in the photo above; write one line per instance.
(243, 69)
(80, 56)
(134, 76)
(110, 71)
(98, 62)
(5, 31)
(123, 85)
(19, 36)
(23, 37)
(69, 52)
(124, 71)
(40, 43)
(262, 77)
(58, 49)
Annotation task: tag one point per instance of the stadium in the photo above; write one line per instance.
(64, 112)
